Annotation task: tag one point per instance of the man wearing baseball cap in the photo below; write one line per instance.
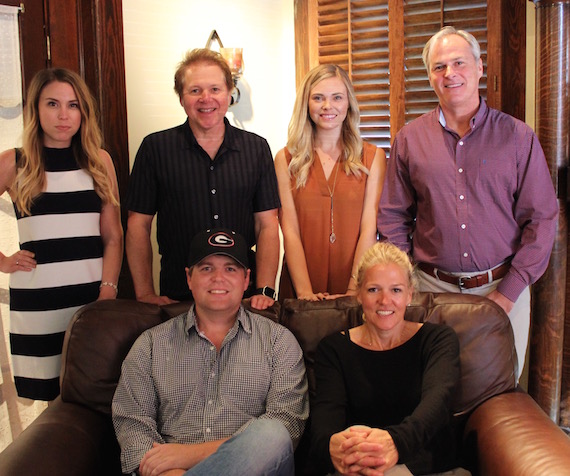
(216, 390)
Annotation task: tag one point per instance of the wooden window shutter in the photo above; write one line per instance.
(379, 43)
(421, 20)
(354, 35)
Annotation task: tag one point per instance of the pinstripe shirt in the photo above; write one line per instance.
(175, 387)
(176, 179)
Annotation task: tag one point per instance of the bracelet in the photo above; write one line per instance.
(113, 285)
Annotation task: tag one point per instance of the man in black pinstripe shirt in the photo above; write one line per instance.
(202, 174)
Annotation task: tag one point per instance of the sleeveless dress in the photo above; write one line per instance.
(329, 264)
(63, 231)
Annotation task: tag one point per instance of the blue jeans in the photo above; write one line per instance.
(264, 448)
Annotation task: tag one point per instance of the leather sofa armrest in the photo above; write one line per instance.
(513, 436)
(65, 439)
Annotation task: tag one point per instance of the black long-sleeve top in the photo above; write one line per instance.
(406, 390)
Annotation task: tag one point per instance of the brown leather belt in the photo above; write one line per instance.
(466, 282)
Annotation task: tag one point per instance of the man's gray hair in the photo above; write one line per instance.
(446, 31)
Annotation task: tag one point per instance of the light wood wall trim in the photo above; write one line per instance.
(397, 82)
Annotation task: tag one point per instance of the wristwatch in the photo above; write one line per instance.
(267, 291)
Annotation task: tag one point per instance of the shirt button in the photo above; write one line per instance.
(210, 402)
(216, 216)
(460, 171)
(213, 191)
(211, 167)
(461, 197)
(212, 347)
(460, 142)
(208, 430)
(213, 374)
(463, 226)
(465, 255)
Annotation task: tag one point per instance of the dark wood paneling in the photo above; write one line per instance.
(103, 63)
(104, 70)
(547, 384)
(506, 56)
(32, 39)
(514, 58)
(494, 49)
(63, 27)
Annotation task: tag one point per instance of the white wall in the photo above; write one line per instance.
(157, 34)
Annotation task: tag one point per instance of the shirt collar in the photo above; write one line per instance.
(476, 119)
(230, 136)
(243, 319)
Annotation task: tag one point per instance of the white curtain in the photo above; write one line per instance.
(15, 413)
(10, 78)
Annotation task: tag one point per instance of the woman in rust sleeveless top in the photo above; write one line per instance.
(329, 183)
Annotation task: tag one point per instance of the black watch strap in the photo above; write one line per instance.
(267, 291)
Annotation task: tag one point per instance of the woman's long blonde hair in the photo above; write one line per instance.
(30, 178)
(302, 130)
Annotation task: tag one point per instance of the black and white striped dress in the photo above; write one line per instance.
(64, 233)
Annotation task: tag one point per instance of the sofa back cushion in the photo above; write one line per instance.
(101, 334)
(487, 348)
(97, 340)
(310, 321)
(487, 352)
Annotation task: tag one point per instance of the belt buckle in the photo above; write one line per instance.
(461, 281)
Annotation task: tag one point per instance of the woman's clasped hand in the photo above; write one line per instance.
(363, 450)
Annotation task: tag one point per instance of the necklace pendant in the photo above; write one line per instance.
(332, 237)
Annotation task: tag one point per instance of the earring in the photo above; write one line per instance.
(363, 317)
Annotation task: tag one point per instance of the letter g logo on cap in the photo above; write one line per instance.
(221, 239)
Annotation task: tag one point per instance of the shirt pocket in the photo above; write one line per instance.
(497, 172)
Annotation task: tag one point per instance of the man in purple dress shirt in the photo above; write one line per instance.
(468, 192)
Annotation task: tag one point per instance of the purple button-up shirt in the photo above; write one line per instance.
(469, 203)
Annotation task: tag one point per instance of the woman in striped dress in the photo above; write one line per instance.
(65, 195)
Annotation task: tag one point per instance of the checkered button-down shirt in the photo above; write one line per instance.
(175, 386)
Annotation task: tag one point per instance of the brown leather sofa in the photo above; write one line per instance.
(505, 432)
